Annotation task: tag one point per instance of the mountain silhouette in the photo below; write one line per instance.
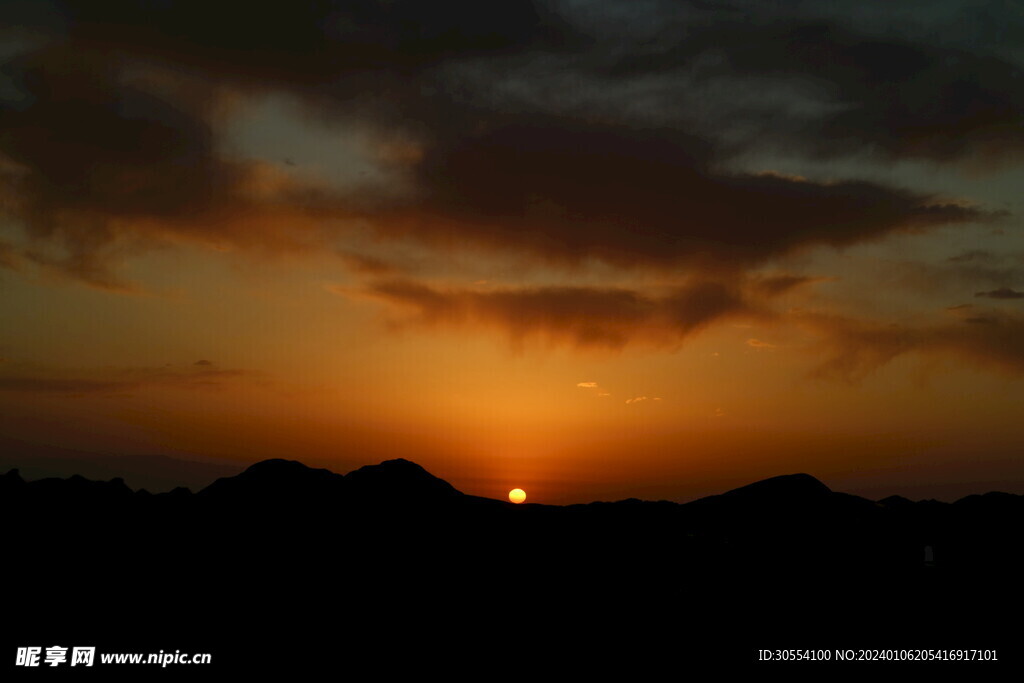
(393, 565)
(390, 484)
(276, 480)
(153, 472)
(785, 490)
(399, 481)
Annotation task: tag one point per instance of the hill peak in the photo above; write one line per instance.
(277, 465)
(274, 477)
(786, 489)
(784, 485)
(399, 476)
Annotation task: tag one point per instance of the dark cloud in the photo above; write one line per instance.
(777, 285)
(102, 157)
(897, 93)
(1001, 293)
(522, 126)
(975, 256)
(93, 161)
(111, 131)
(578, 316)
(112, 381)
(855, 348)
(974, 270)
(90, 141)
(9, 257)
(306, 43)
(36, 385)
(914, 100)
(632, 197)
(368, 265)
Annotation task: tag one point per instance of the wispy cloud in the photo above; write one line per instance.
(991, 339)
(31, 379)
(594, 388)
(1001, 293)
(527, 134)
(641, 399)
(579, 316)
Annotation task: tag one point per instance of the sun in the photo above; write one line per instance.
(517, 495)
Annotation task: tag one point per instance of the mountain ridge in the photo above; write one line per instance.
(400, 475)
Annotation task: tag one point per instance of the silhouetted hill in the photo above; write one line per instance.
(994, 500)
(395, 483)
(154, 473)
(393, 564)
(786, 489)
(276, 481)
(399, 481)
(896, 502)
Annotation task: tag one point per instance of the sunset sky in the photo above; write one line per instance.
(595, 250)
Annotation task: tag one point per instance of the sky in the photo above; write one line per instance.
(594, 250)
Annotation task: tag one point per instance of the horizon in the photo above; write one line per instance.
(62, 469)
(595, 251)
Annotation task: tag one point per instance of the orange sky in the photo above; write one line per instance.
(513, 263)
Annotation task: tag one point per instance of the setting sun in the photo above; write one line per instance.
(517, 495)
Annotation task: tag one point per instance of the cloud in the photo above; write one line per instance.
(102, 162)
(302, 44)
(976, 270)
(9, 257)
(855, 348)
(831, 87)
(23, 379)
(567, 191)
(778, 285)
(368, 265)
(641, 399)
(578, 316)
(115, 117)
(598, 391)
(758, 344)
(1001, 293)
(34, 385)
(561, 131)
(975, 256)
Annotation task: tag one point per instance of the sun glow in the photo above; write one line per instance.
(517, 495)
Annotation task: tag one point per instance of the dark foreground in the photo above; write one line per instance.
(390, 572)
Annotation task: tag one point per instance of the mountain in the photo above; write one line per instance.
(396, 483)
(896, 502)
(276, 480)
(390, 562)
(154, 473)
(786, 490)
(399, 480)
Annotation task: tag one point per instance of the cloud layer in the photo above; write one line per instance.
(22, 379)
(855, 347)
(560, 130)
(579, 316)
(559, 133)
